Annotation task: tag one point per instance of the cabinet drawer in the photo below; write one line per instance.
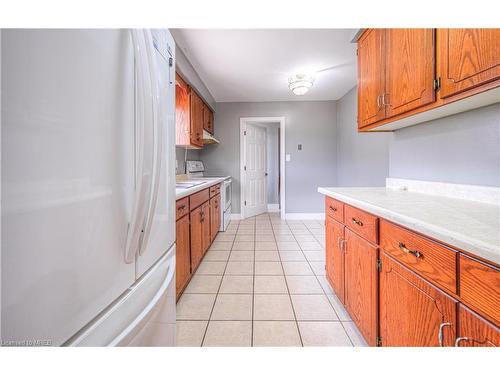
(198, 198)
(480, 287)
(181, 208)
(434, 262)
(214, 190)
(361, 222)
(334, 209)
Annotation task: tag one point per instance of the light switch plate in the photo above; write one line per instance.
(287, 157)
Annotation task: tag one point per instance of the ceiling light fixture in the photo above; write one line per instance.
(300, 83)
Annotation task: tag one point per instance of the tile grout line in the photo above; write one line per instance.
(288, 289)
(218, 289)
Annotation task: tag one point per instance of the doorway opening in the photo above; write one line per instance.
(262, 165)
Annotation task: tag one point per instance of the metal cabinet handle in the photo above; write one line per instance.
(403, 248)
(180, 208)
(383, 99)
(333, 209)
(460, 339)
(357, 222)
(440, 332)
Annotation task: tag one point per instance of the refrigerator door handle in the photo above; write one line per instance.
(143, 180)
(158, 138)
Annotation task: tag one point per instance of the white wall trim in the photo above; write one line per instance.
(273, 207)
(243, 122)
(305, 216)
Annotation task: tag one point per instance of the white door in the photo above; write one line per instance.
(159, 233)
(255, 171)
(67, 178)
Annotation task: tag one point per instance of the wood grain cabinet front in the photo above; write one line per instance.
(469, 58)
(362, 223)
(196, 124)
(475, 331)
(196, 236)
(334, 263)
(412, 311)
(480, 287)
(334, 209)
(215, 212)
(183, 254)
(361, 280)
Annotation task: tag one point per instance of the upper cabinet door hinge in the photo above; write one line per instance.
(379, 265)
(379, 341)
(437, 83)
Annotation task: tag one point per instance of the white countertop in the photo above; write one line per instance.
(206, 182)
(470, 226)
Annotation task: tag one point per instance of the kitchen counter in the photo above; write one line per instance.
(468, 225)
(206, 182)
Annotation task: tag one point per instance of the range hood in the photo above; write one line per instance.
(209, 139)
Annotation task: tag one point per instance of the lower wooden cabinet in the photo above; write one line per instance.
(183, 255)
(361, 278)
(200, 233)
(475, 331)
(335, 256)
(412, 311)
(214, 216)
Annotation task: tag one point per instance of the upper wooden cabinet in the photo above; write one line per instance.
(371, 79)
(192, 116)
(407, 76)
(409, 70)
(197, 107)
(395, 72)
(208, 119)
(469, 58)
(182, 112)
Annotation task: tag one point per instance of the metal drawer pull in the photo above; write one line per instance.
(416, 253)
(357, 222)
(333, 209)
(181, 207)
(460, 339)
(440, 332)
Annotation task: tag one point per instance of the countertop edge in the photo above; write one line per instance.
(195, 189)
(470, 246)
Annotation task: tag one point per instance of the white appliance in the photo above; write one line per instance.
(88, 225)
(196, 169)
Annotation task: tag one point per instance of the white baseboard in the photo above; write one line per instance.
(235, 216)
(273, 207)
(305, 216)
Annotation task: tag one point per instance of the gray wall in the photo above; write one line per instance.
(180, 155)
(313, 124)
(463, 148)
(362, 158)
(186, 70)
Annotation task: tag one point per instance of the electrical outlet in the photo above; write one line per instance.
(299, 147)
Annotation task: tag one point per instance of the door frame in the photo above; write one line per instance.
(243, 126)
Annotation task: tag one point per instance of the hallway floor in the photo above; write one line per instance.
(262, 283)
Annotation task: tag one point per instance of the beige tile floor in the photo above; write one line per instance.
(262, 283)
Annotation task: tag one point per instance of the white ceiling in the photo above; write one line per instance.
(254, 65)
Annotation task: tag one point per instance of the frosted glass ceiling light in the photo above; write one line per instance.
(300, 83)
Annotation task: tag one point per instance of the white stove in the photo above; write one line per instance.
(196, 169)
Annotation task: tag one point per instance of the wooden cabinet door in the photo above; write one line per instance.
(214, 216)
(196, 124)
(468, 58)
(205, 227)
(182, 112)
(412, 311)
(371, 77)
(183, 256)
(335, 256)
(475, 331)
(409, 69)
(196, 237)
(361, 284)
(208, 119)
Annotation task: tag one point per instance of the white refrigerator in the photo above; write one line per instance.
(88, 187)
